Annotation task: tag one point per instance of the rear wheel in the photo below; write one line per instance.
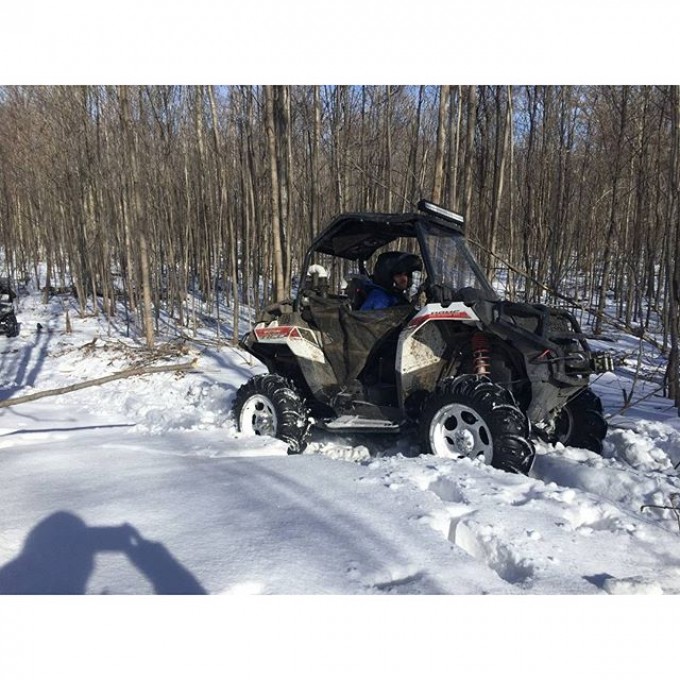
(473, 417)
(270, 405)
(581, 422)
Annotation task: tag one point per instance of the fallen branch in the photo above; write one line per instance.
(674, 499)
(128, 373)
(644, 397)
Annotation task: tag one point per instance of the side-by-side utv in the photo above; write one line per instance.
(476, 375)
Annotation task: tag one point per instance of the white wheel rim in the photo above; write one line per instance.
(458, 430)
(258, 416)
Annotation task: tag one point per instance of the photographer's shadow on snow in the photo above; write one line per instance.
(59, 554)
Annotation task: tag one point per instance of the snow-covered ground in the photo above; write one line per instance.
(143, 486)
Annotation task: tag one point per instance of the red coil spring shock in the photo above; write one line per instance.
(481, 354)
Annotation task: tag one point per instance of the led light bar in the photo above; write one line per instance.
(434, 209)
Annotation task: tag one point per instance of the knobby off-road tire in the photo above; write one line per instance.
(471, 416)
(581, 422)
(270, 405)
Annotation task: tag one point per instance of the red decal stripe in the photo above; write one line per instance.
(440, 316)
(273, 333)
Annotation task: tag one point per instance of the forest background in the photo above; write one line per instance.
(149, 193)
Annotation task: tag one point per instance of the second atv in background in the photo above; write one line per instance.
(477, 375)
(9, 325)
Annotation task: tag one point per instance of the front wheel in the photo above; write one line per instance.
(473, 417)
(581, 422)
(270, 405)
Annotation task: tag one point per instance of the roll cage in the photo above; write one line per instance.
(440, 238)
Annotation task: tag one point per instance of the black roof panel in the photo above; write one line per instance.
(356, 236)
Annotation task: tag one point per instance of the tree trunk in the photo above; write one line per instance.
(468, 161)
(277, 241)
(673, 252)
(440, 153)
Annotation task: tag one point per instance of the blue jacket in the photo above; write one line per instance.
(379, 298)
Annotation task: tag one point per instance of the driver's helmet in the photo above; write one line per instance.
(393, 262)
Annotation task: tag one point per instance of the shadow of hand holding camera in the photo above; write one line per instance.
(58, 558)
(154, 560)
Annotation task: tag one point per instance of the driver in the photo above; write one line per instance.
(392, 277)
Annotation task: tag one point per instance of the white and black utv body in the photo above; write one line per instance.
(475, 374)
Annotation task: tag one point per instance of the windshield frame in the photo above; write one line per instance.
(455, 240)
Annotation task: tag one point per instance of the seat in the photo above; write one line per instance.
(357, 290)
